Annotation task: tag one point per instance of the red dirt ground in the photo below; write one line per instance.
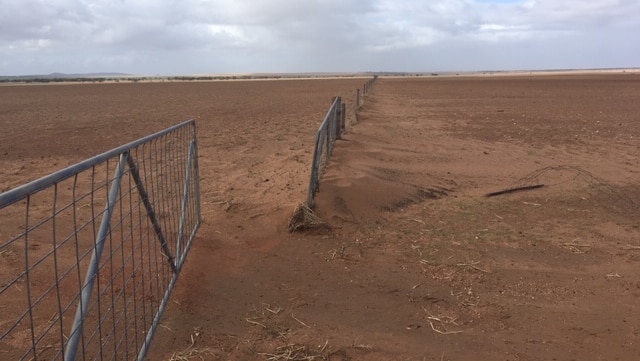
(416, 263)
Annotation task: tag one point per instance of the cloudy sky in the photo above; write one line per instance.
(179, 37)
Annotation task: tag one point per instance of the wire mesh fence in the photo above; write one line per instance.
(89, 255)
(361, 94)
(330, 129)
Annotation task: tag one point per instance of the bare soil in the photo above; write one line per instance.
(415, 263)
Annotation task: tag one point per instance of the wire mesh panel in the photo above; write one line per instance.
(330, 129)
(89, 255)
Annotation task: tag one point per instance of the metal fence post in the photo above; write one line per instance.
(343, 117)
(338, 120)
(328, 135)
(185, 201)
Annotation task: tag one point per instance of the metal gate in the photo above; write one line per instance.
(89, 255)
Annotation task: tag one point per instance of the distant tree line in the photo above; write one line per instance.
(52, 80)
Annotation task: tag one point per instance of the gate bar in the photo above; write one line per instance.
(21, 192)
(76, 330)
(144, 196)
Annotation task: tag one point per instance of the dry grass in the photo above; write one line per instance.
(472, 265)
(296, 352)
(192, 352)
(441, 323)
(575, 247)
(303, 218)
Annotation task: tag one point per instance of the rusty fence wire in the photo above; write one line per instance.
(89, 255)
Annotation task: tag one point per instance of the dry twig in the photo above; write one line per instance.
(191, 352)
(363, 347)
(472, 265)
(576, 247)
(443, 321)
(275, 311)
(293, 352)
(254, 322)
(302, 323)
(512, 190)
(631, 248)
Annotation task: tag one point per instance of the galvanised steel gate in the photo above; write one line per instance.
(89, 255)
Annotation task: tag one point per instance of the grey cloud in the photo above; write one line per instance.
(24, 20)
(173, 36)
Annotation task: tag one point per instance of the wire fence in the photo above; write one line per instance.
(361, 94)
(330, 130)
(89, 255)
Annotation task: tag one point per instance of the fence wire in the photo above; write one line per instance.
(89, 255)
(330, 129)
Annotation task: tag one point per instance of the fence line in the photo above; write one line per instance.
(89, 255)
(330, 130)
(366, 88)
